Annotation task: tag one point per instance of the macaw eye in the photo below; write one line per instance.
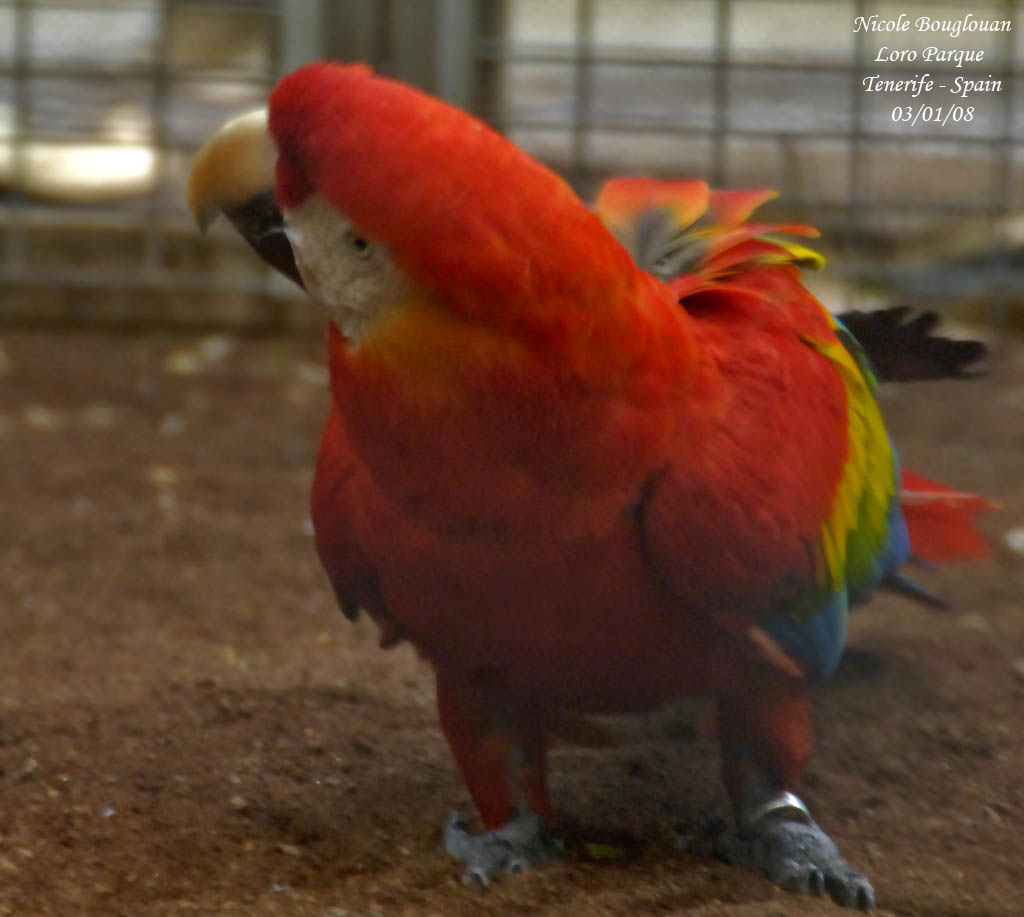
(359, 245)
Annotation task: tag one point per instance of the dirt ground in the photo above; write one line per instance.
(188, 726)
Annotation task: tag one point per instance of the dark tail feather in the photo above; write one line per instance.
(914, 591)
(901, 346)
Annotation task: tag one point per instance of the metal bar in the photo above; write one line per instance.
(490, 18)
(854, 173)
(582, 84)
(154, 248)
(454, 51)
(413, 29)
(352, 31)
(626, 55)
(723, 37)
(1002, 192)
(639, 125)
(40, 217)
(101, 139)
(557, 54)
(14, 243)
(302, 33)
(232, 6)
(1002, 173)
(605, 124)
(159, 279)
(133, 71)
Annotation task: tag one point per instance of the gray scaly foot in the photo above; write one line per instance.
(520, 844)
(778, 837)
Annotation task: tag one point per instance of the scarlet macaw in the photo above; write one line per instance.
(585, 461)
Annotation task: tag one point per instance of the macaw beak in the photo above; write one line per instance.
(233, 174)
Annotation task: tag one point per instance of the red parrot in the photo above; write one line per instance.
(586, 461)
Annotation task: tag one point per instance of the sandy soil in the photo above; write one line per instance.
(187, 725)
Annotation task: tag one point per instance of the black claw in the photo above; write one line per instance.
(865, 899)
(816, 883)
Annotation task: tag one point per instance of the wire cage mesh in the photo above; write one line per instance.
(102, 106)
(102, 103)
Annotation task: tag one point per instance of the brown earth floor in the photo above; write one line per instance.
(187, 725)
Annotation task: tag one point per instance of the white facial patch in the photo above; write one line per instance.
(351, 275)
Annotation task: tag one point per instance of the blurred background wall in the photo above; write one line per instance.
(103, 102)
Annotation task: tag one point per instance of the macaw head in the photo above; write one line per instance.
(372, 195)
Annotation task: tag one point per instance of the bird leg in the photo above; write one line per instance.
(766, 740)
(500, 749)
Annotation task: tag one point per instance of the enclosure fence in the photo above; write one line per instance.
(103, 103)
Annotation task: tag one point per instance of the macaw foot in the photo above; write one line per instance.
(779, 838)
(520, 844)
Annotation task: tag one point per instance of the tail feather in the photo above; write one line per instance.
(689, 236)
(903, 345)
(941, 520)
(915, 591)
